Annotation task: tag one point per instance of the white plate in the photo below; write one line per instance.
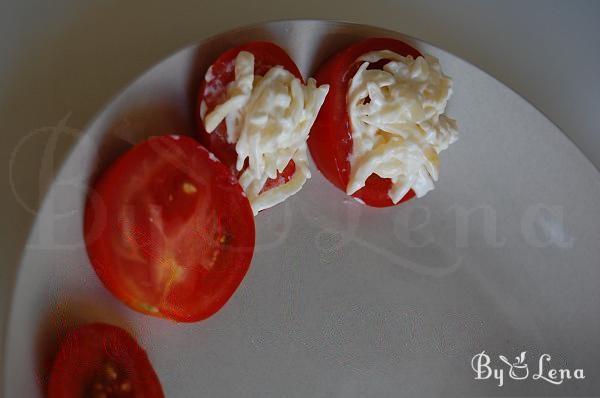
(343, 300)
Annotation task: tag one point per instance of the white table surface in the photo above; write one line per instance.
(62, 60)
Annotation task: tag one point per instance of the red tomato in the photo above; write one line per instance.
(330, 140)
(266, 56)
(169, 230)
(100, 360)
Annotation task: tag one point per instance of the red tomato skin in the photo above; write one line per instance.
(201, 293)
(85, 348)
(330, 140)
(266, 56)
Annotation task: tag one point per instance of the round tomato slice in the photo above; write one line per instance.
(213, 93)
(169, 230)
(330, 140)
(101, 360)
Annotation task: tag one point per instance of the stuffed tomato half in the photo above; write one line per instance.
(382, 126)
(255, 113)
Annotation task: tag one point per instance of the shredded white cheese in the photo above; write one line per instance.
(268, 118)
(398, 122)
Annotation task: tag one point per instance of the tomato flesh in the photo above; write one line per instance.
(330, 140)
(100, 360)
(213, 93)
(169, 230)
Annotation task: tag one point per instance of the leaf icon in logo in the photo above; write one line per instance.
(517, 370)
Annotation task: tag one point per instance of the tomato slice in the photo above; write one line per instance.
(266, 56)
(100, 360)
(169, 230)
(330, 140)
